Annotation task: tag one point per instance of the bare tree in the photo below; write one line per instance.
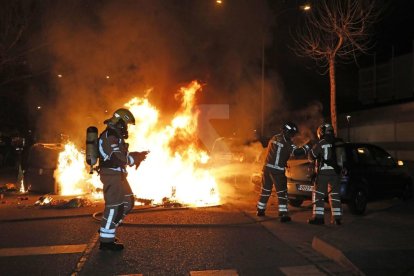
(336, 29)
(14, 23)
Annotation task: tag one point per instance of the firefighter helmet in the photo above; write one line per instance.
(325, 129)
(289, 130)
(121, 114)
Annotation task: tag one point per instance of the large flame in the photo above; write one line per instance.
(173, 169)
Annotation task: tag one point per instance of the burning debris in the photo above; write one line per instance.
(170, 203)
(47, 201)
(143, 201)
(8, 187)
(170, 175)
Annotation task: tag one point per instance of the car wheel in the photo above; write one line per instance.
(295, 202)
(407, 192)
(358, 202)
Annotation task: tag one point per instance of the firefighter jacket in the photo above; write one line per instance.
(279, 150)
(113, 152)
(323, 152)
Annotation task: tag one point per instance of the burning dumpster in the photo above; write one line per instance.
(41, 163)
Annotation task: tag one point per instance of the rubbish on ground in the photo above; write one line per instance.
(143, 201)
(47, 201)
(44, 200)
(8, 187)
(167, 202)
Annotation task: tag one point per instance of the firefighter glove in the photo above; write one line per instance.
(138, 157)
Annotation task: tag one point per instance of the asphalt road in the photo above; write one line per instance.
(220, 240)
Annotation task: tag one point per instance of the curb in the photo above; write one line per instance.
(334, 254)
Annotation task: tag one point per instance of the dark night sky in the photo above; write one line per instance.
(394, 30)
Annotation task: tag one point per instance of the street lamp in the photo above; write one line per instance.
(305, 8)
(348, 119)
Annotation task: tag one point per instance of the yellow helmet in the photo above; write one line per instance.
(121, 114)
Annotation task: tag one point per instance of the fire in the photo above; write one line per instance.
(173, 168)
(71, 172)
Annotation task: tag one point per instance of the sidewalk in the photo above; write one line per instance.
(380, 243)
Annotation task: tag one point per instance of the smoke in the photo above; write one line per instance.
(308, 120)
(100, 54)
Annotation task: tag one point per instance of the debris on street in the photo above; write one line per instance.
(47, 201)
(8, 187)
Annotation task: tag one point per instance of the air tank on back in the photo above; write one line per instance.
(92, 153)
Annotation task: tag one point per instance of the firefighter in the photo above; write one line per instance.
(279, 150)
(113, 159)
(327, 176)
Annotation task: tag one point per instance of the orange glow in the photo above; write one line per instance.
(71, 173)
(173, 168)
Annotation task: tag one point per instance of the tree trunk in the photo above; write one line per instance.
(333, 93)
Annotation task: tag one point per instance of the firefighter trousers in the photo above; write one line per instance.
(119, 201)
(327, 181)
(278, 180)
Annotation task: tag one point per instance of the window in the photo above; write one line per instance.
(382, 157)
(364, 156)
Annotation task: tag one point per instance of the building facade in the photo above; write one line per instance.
(386, 91)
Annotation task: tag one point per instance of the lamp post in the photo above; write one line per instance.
(304, 8)
(348, 125)
(262, 92)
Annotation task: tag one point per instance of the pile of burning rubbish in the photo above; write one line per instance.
(173, 146)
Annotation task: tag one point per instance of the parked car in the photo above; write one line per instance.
(227, 150)
(368, 173)
(233, 159)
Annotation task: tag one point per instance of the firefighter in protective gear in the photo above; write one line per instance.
(280, 148)
(113, 159)
(327, 176)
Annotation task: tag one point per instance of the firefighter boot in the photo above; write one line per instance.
(285, 218)
(112, 246)
(116, 238)
(260, 212)
(316, 221)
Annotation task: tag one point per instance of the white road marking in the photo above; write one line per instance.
(309, 270)
(226, 272)
(42, 250)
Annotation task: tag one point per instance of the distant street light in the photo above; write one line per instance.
(348, 119)
(305, 8)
